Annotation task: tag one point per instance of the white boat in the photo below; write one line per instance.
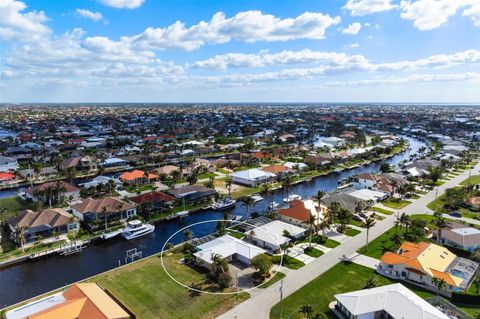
(273, 205)
(182, 213)
(112, 234)
(223, 204)
(256, 197)
(292, 197)
(136, 229)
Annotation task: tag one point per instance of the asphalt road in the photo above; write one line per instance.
(262, 300)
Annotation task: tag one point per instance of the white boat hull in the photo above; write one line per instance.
(148, 230)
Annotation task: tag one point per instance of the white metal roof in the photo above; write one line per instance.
(226, 246)
(395, 299)
(272, 232)
(252, 174)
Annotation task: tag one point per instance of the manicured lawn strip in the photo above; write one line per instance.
(381, 210)
(330, 243)
(318, 293)
(13, 205)
(277, 277)
(288, 262)
(437, 206)
(473, 180)
(206, 175)
(17, 252)
(395, 204)
(313, 252)
(235, 234)
(145, 288)
(352, 232)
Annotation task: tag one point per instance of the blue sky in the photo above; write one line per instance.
(240, 51)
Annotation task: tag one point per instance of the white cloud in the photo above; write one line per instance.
(354, 45)
(248, 26)
(19, 25)
(431, 14)
(87, 14)
(364, 7)
(352, 29)
(123, 4)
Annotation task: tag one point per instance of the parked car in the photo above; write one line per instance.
(455, 214)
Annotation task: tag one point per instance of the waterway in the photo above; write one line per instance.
(30, 279)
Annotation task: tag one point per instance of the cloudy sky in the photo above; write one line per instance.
(240, 50)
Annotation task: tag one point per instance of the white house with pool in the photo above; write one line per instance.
(229, 248)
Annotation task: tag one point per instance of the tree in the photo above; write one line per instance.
(247, 202)
(306, 310)
(369, 223)
(371, 282)
(228, 185)
(440, 222)
(312, 227)
(20, 236)
(187, 234)
(220, 228)
(219, 271)
(439, 283)
(318, 197)
(434, 173)
(3, 211)
(262, 264)
(385, 167)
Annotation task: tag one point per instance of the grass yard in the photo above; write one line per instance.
(330, 243)
(313, 252)
(288, 262)
(395, 204)
(437, 206)
(235, 234)
(206, 175)
(318, 293)
(380, 210)
(277, 277)
(10, 250)
(352, 232)
(13, 205)
(146, 289)
(473, 180)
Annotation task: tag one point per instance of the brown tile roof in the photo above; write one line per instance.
(296, 210)
(275, 168)
(51, 216)
(152, 197)
(68, 188)
(91, 205)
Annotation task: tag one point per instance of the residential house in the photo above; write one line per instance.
(252, 177)
(79, 301)
(7, 177)
(157, 200)
(299, 212)
(278, 170)
(114, 162)
(8, 164)
(296, 166)
(345, 200)
(168, 170)
(59, 189)
(45, 173)
(421, 263)
(192, 193)
(228, 247)
(464, 238)
(44, 223)
(274, 234)
(80, 163)
(390, 301)
(91, 209)
(137, 177)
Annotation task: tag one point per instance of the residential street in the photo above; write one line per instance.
(260, 303)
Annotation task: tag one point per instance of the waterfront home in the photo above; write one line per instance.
(20, 153)
(114, 162)
(464, 238)
(277, 170)
(252, 177)
(275, 233)
(52, 192)
(230, 248)
(45, 173)
(44, 223)
(387, 183)
(137, 177)
(92, 209)
(8, 164)
(421, 263)
(299, 212)
(473, 202)
(157, 200)
(168, 170)
(7, 177)
(193, 193)
(80, 163)
(99, 180)
(296, 166)
(390, 301)
(79, 301)
(345, 200)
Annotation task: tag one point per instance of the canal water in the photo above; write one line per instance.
(30, 279)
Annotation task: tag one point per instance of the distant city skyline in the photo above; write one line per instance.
(423, 51)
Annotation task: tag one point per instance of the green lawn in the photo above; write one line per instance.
(277, 277)
(380, 210)
(318, 293)
(313, 252)
(13, 206)
(288, 262)
(352, 232)
(437, 206)
(395, 204)
(146, 289)
(12, 251)
(235, 234)
(330, 243)
(206, 175)
(473, 180)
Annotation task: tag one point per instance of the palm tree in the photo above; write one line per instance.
(228, 185)
(20, 235)
(187, 234)
(440, 222)
(439, 283)
(312, 226)
(306, 310)
(318, 197)
(219, 265)
(267, 192)
(369, 223)
(247, 202)
(3, 211)
(404, 220)
(104, 212)
(325, 224)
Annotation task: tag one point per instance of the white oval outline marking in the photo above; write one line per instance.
(209, 292)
